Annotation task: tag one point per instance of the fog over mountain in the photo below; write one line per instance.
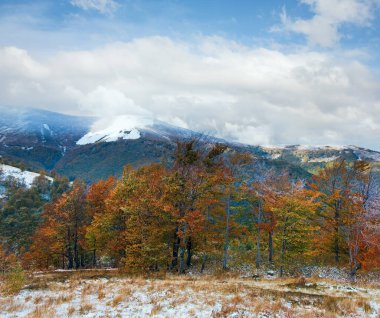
(251, 95)
(283, 81)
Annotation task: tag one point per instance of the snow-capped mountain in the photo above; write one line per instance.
(128, 127)
(91, 148)
(122, 127)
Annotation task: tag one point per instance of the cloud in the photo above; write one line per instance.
(102, 6)
(324, 27)
(248, 94)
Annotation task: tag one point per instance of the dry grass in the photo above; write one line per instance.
(43, 311)
(38, 300)
(65, 298)
(156, 309)
(85, 308)
(117, 300)
(217, 296)
(13, 307)
(70, 311)
(101, 293)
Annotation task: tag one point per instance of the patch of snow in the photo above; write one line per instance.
(365, 154)
(324, 159)
(122, 127)
(43, 135)
(3, 190)
(63, 150)
(375, 309)
(127, 297)
(46, 126)
(27, 177)
(306, 147)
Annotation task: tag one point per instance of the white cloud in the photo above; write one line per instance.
(252, 95)
(102, 6)
(328, 17)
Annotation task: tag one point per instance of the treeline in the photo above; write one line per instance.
(204, 210)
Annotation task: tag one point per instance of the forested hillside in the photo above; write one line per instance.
(201, 212)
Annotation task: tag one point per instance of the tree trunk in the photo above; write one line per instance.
(270, 243)
(353, 252)
(204, 259)
(63, 259)
(175, 250)
(182, 250)
(76, 254)
(354, 270)
(94, 258)
(189, 252)
(227, 234)
(82, 261)
(69, 251)
(181, 269)
(258, 242)
(336, 238)
(283, 248)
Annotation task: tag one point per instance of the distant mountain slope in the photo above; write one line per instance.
(75, 147)
(22, 176)
(315, 157)
(39, 138)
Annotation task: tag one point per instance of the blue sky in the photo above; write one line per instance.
(249, 22)
(283, 72)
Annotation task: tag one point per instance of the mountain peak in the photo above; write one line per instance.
(121, 127)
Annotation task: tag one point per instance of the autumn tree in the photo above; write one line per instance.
(349, 213)
(295, 224)
(187, 185)
(264, 191)
(149, 222)
(63, 229)
(233, 182)
(96, 209)
(48, 247)
(363, 218)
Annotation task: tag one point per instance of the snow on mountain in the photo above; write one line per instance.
(365, 154)
(324, 159)
(122, 127)
(27, 177)
(133, 127)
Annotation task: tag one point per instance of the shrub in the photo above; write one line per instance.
(12, 275)
(14, 279)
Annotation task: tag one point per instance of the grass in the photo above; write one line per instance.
(115, 293)
(13, 281)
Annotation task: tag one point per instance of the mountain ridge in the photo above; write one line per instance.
(78, 146)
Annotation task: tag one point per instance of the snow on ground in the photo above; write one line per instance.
(175, 296)
(122, 127)
(26, 177)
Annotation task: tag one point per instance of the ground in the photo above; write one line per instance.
(111, 294)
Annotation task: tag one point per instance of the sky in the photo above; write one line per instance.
(258, 72)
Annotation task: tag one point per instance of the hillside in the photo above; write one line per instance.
(80, 147)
